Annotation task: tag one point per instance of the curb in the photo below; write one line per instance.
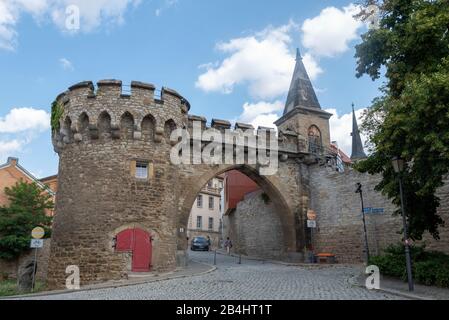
(113, 286)
(292, 264)
(411, 296)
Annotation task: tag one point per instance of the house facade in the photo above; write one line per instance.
(206, 215)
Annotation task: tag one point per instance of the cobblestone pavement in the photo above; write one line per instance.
(249, 280)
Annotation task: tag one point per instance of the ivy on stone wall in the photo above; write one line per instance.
(56, 113)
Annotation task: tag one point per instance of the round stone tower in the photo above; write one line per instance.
(114, 175)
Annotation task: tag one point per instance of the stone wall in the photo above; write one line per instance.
(443, 243)
(255, 228)
(10, 268)
(339, 219)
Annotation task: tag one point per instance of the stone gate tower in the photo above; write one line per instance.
(105, 137)
(303, 113)
(115, 175)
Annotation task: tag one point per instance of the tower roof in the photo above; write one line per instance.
(357, 145)
(301, 93)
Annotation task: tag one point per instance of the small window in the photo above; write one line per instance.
(211, 203)
(211, 223)
(199, 201)
(141, 170)
(199, 222)
(209, 184)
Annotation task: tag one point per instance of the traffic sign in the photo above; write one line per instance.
(311, 215)
(36, 243)
(38, 233)
(311, 224)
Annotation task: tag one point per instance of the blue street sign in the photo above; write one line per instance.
(374, 210)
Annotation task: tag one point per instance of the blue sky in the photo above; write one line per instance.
(231, 59)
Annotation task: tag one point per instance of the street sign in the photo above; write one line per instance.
(38, 233)
(374, 210)
(311, 224)
(36, 243)
(311, 215)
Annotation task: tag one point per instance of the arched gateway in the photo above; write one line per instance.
(115, 174)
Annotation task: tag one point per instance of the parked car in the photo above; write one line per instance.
(199, 244)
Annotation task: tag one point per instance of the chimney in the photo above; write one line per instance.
(13, 161)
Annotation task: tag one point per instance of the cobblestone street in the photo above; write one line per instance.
(249, 280)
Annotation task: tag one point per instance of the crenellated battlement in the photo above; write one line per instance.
(108, 112)
(109, 109)
(114, 89)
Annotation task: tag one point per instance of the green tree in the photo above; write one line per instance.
(411, 117)
(27, 210)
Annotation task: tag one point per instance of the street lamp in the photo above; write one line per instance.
(359, 190)
(398, 166)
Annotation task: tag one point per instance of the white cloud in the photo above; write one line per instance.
(341, 129)
(330, 33)
(25, 119)
(8, 148)
(261, 114)
(18, 129)
(92, 15)
(167, 4)
(66, 64)
(8, 19)
(262, 61)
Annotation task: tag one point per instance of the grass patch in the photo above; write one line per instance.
(9, 288)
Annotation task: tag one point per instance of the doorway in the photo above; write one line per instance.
(138, 242)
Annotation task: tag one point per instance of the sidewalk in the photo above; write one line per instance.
(399, 287)
(193, 269)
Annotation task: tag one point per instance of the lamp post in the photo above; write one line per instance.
(398, 166)
(359, 191)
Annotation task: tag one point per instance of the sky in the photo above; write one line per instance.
(231, 59)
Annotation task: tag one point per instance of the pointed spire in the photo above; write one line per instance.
(357, 145)
(301, 93)
(298, 55)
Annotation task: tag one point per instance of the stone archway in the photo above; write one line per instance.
(272, 185)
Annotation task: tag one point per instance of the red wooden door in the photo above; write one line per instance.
(138, 242)
(141, 251)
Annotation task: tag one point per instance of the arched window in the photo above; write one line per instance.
(148, 128)
(169, 127)
(83, 126)
(104, 126)
(127, 126)
(315, 142)
(67, 129)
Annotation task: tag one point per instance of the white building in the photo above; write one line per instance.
(206, 214)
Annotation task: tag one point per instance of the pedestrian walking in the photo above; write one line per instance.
(209, 243)
(228, 245)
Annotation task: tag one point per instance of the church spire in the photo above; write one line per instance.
(301, 93)
(357, 146)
